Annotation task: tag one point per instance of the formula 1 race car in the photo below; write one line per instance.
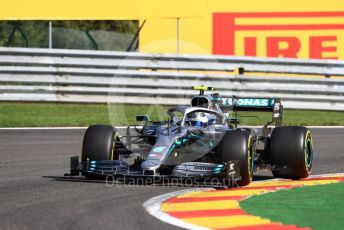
(202, 140)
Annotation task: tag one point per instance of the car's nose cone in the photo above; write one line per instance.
(150, 164)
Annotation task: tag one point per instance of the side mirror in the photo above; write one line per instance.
(142, 118)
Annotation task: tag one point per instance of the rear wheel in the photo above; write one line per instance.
(99, 144)
(237, 145)
(291, 150)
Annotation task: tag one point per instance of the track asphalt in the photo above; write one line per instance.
(35, 195)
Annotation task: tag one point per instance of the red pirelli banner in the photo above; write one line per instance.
(263, 28)
(278, 34)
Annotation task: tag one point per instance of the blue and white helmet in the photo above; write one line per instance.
(197, 119)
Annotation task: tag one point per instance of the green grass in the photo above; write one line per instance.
(51, 114)
(319, 207)
(58, 114)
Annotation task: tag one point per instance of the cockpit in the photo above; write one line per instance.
(200, 118)
(194, 116)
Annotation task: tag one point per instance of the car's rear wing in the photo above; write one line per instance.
(254, 104)
(250, 104)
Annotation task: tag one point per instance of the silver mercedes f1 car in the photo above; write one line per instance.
(201, 140)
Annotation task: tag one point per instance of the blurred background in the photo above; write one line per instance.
(118, 35)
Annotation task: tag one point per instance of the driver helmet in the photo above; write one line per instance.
(198, 119)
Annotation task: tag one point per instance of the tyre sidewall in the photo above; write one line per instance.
(99, 143)
(236, 145)
(288, 146)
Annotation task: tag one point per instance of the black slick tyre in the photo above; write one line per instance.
(291, 151)
(99, 144)
(238, 145)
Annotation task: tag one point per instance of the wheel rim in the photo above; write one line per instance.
(114, 141)
(308, 152)
(251, 160)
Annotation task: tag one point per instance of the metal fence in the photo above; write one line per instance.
(116, 77)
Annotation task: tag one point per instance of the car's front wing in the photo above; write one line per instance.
(184, 170)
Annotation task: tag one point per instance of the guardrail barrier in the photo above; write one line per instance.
(124, 77)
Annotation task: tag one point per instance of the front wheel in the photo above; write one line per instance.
(291, 150)
(99, 144)
(237, 145)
